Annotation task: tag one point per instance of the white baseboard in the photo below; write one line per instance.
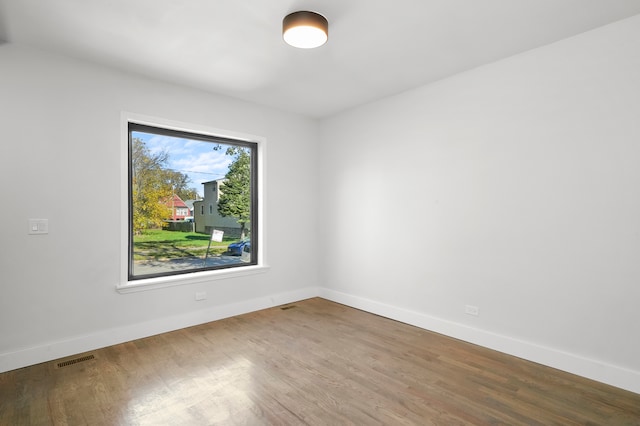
(602, 372)
(595, 370)
(78, 344)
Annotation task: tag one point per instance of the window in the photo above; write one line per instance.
(169, 170)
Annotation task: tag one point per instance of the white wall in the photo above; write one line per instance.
(60, 159)
(514, 187)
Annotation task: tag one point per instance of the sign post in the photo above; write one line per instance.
(215, 236)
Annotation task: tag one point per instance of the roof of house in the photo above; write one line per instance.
(176, 202)
(215, 180)
(189, 203)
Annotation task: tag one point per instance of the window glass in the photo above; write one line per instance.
(171, 173)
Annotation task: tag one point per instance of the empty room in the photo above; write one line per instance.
(302, 212)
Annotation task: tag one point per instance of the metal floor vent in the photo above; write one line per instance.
(75, 361)
(284, 308)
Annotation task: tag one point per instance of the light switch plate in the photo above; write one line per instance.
(38, 226)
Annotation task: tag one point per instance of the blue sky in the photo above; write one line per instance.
(194, 158)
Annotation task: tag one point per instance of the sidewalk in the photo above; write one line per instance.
(173, 265)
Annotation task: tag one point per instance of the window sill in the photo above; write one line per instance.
(195, 278)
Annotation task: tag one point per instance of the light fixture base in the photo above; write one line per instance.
(305, 30)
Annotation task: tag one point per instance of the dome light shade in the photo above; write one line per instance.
(305, 30)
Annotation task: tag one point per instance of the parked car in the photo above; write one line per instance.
(235, 249)
(246, 252)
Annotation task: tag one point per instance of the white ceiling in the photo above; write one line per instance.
(234, 47)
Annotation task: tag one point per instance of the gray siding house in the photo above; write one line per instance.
(205, 212)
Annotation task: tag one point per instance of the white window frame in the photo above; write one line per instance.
(127, 286)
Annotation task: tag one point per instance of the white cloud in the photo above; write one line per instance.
(196, 159)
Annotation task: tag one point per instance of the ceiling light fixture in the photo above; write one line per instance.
(305, 30)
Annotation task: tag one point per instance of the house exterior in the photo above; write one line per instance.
(178, 210)
(189, 204)
(206, 215)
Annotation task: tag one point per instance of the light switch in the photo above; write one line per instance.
(38, 226)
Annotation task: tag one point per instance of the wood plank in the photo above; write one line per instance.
(317, 363)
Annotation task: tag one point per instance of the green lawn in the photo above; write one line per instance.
(157, 244)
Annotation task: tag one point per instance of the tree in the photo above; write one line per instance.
(188, 194)
(235, 191)
(152, 183)
(180, 184)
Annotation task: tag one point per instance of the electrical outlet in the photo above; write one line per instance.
(472, 310)
(201, 295)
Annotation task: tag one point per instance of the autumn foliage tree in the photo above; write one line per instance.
(152, 183)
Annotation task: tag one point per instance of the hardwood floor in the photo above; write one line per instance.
(317, 363)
